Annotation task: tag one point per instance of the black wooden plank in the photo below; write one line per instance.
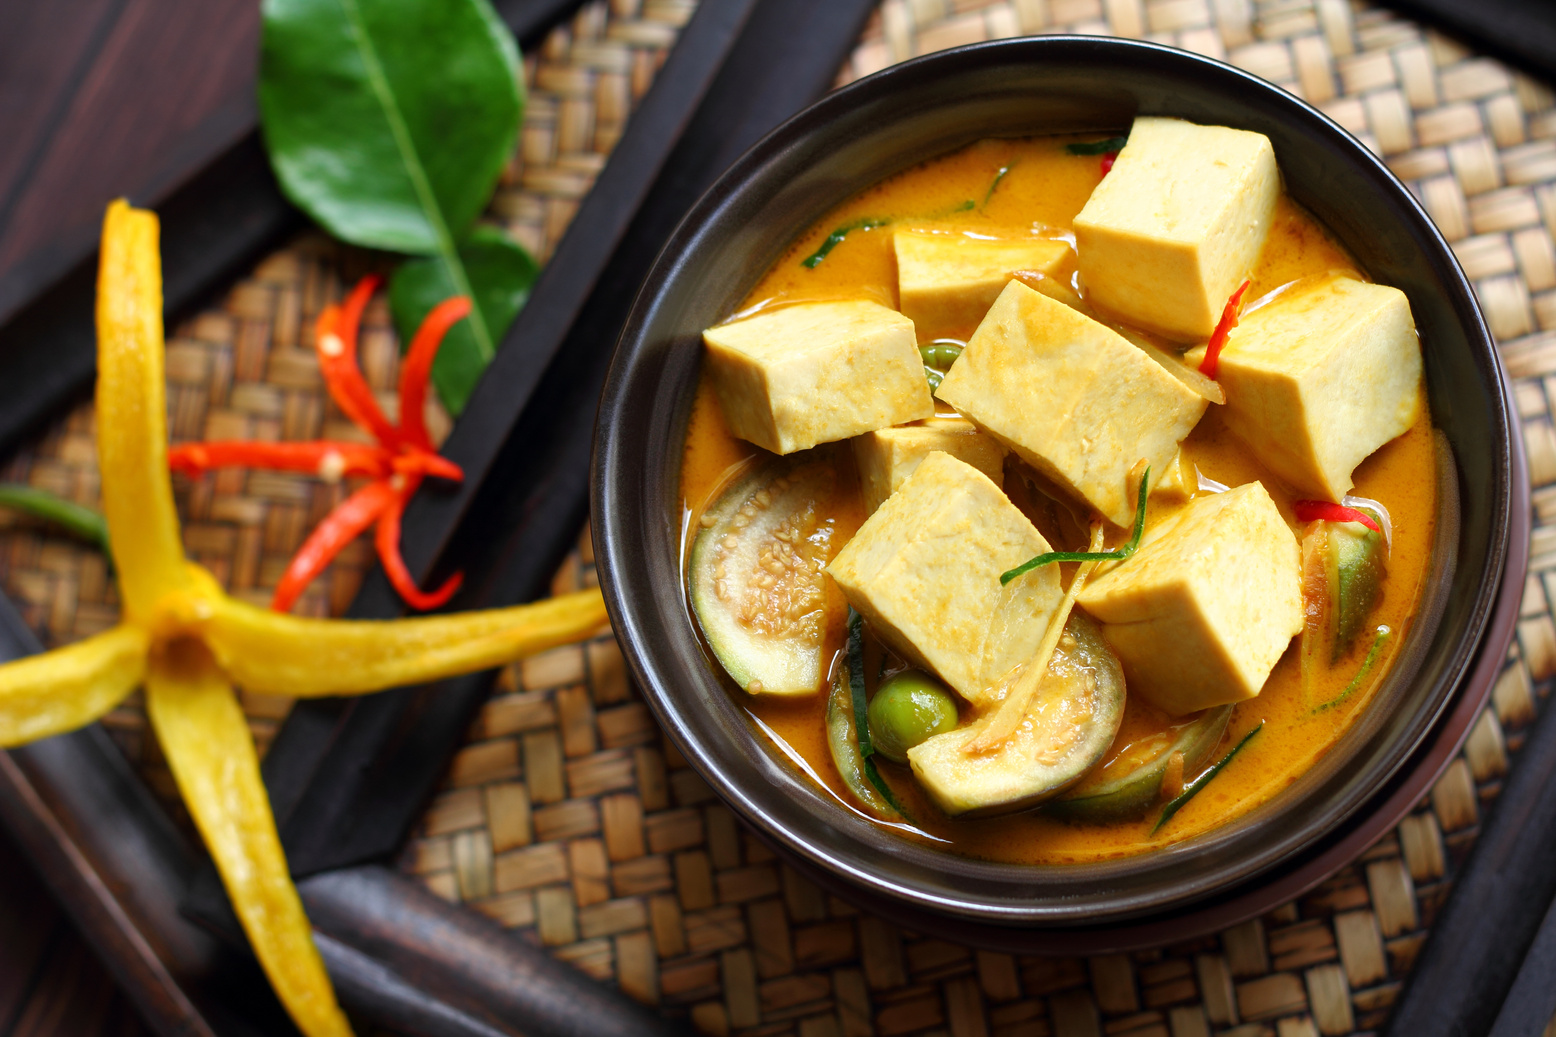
(1531, 1003)
(1479, 940)
(160, 92)
(398, 956)
(1520, 31)
(213, 225)
(111, 856)
(466, 967)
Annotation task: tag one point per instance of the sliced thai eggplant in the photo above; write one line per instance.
(843, 742)
(1132, 783)
(756, 574)
(1343, 568)
(1069, 726)
(848, 729)
(1359, 566)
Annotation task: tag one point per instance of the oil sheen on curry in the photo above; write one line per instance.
(1061, 498)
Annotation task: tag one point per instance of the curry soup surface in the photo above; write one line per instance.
(1034, 187)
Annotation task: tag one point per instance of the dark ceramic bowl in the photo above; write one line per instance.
(930, 106)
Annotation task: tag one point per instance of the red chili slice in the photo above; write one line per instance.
(1212, 362)
(387, 540)
(1325, 511)
(417, 366)
(339, 528)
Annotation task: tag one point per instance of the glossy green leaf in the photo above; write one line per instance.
(499, 274)
(388, 121)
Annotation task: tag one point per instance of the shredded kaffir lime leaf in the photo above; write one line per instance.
(1117, 554)
(1200, 782)
(835, 239)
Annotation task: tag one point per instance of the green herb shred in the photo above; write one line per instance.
(835, 239)
(1200, 782)
(861, 710)
(1366, 668)
(997, 178)
(1117, 554)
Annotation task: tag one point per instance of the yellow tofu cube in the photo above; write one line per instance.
(1202, 612)
(1071, 397)
(946, 282)
(1177, 224)
(793, 377)
(925, 571)
(1320, 377)
(888, 456)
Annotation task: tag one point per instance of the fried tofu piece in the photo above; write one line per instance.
(947, 282)
(794, 377)
(1071, 397)
(888, 456)
(1320, 377)
(1177, 224)
(925, 571)
(1202, 612)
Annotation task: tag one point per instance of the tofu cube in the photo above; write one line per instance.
(925, 571)
(1071, 397)
(1177, 224)
(1202, 612)
(887, 457)
(1320, 377)
(947, 282)
(818, 372)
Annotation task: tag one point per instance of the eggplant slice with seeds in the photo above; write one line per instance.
(756, 574)
(1072, 721)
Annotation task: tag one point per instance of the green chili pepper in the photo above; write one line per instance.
(1117, 554)
(83, 522)
(1200, 782)
(1097, 147)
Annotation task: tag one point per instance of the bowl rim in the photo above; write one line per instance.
(612, 515)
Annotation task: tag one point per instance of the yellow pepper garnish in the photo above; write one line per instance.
(187, 642)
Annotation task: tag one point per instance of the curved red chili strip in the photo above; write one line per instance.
(1212, 362)
(1108, 158)
(424, 462)
(387, 540)
(417, 367)
(327, 459)
(1325, 511)
(336, 346)
(339, 528)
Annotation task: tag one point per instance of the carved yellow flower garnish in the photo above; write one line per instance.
(188, 643)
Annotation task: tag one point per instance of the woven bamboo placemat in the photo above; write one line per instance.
(568, 818)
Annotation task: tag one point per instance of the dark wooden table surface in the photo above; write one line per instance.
(98, 98)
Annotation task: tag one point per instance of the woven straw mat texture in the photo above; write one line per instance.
(568, 818)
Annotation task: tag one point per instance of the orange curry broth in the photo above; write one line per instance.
(1043, 190)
